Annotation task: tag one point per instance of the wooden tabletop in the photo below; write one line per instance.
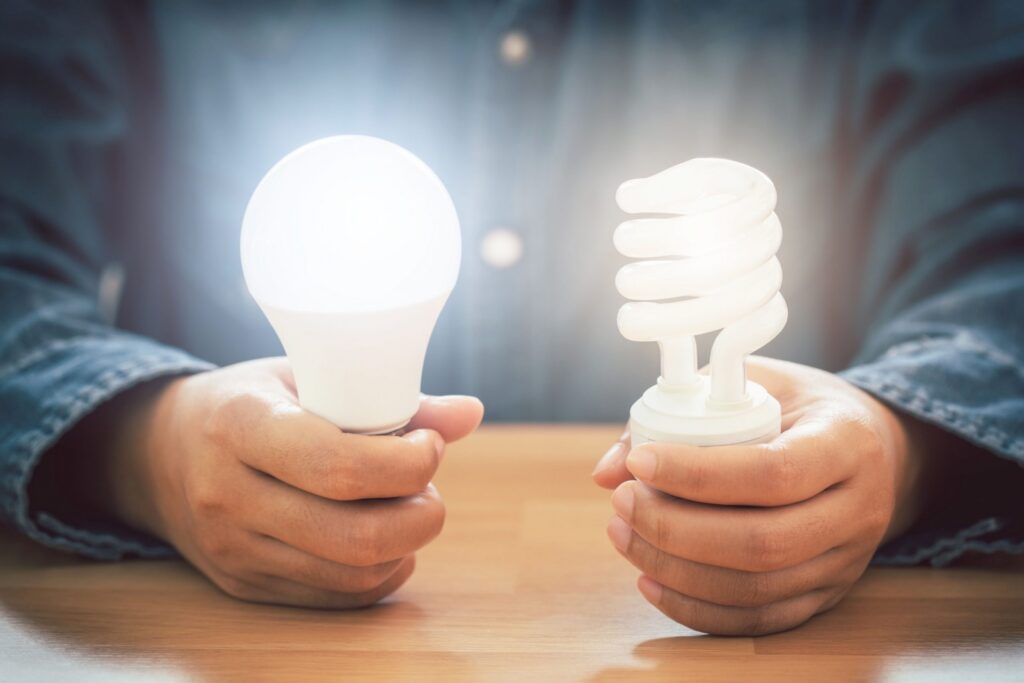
(522, 585)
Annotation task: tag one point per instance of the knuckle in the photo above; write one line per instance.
(340, 479)
(878, 518)
(423, 470)
(659, 566)
(744, 621)
(756, 589)
(432, 512)
(858, 428)
(701, 616)
(757, 621)
(766, 548)
(208, 500)
(783, 474)
(364, 546)
(230, 416)
(215, 547)
(769, 619)
(419, 445)
(437, 513)
(696, 474)
(661, 532)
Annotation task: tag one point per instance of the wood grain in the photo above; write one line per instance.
(522, 585)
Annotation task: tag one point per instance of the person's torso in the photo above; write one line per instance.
(532, 114)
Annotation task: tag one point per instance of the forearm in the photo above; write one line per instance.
(59, 365)
(931, 468)
(949, 367)
(97, 469)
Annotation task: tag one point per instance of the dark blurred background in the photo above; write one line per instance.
(531, 113)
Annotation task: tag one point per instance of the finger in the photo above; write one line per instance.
(749, 539)
(361, 533)
(274, 558)
(724, 620)
(775, 375)
(813, 455)
(311, 454)
(280, 368)
(611, 468)
(733, 587)
(280, 591)
(453, 417)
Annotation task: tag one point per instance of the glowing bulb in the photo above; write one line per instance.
(713, 251)
(351, 246)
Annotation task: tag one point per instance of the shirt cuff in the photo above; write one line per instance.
(974, 392)
(49, 390)
(941, 547)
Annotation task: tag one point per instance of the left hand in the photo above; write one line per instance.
(755, 539)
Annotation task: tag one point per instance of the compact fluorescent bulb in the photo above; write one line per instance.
(351, 246)
(711, 253)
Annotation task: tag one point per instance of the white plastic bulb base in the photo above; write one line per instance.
(366, 382)
(684, 414)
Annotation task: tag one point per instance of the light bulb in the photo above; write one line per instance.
(711, 254)
(351, 246)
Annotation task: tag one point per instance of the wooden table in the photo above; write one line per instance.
(522, 585)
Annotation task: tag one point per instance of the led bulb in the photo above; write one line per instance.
(710, 265)
(351, 246)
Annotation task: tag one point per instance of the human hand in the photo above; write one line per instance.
(275, 504)
(755, 539)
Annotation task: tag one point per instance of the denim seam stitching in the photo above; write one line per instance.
(37, 355)
(944, 550)
(919, 401)
(65, 411)
(964, 341)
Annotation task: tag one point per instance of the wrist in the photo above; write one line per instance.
(112, 471)
(131, 473)
(923, 473)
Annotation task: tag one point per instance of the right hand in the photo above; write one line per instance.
(275, 504)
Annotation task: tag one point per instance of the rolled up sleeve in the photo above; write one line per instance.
(939, 172)
(62, 119)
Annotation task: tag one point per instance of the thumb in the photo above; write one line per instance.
(453, 417)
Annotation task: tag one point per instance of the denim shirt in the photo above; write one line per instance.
(131, 138)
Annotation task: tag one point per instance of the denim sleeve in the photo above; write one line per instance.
(62, 118)
(940, 179)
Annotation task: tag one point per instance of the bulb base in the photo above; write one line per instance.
(666, 414)
(360, 370)
(386, 431)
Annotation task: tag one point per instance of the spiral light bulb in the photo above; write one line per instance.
(710, 264)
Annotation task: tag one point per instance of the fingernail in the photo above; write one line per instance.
(642, 462)
(650, 589)
(620, 534)
(608, 459)
(623, 500)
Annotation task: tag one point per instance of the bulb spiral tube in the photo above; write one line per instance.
(709, 263)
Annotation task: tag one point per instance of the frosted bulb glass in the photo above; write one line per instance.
(711, 253)
(351, 246)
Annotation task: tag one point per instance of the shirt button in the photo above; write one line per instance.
(501, 248)
(514, 48)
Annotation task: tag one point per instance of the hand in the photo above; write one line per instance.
(754, 539)
(275, 504)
